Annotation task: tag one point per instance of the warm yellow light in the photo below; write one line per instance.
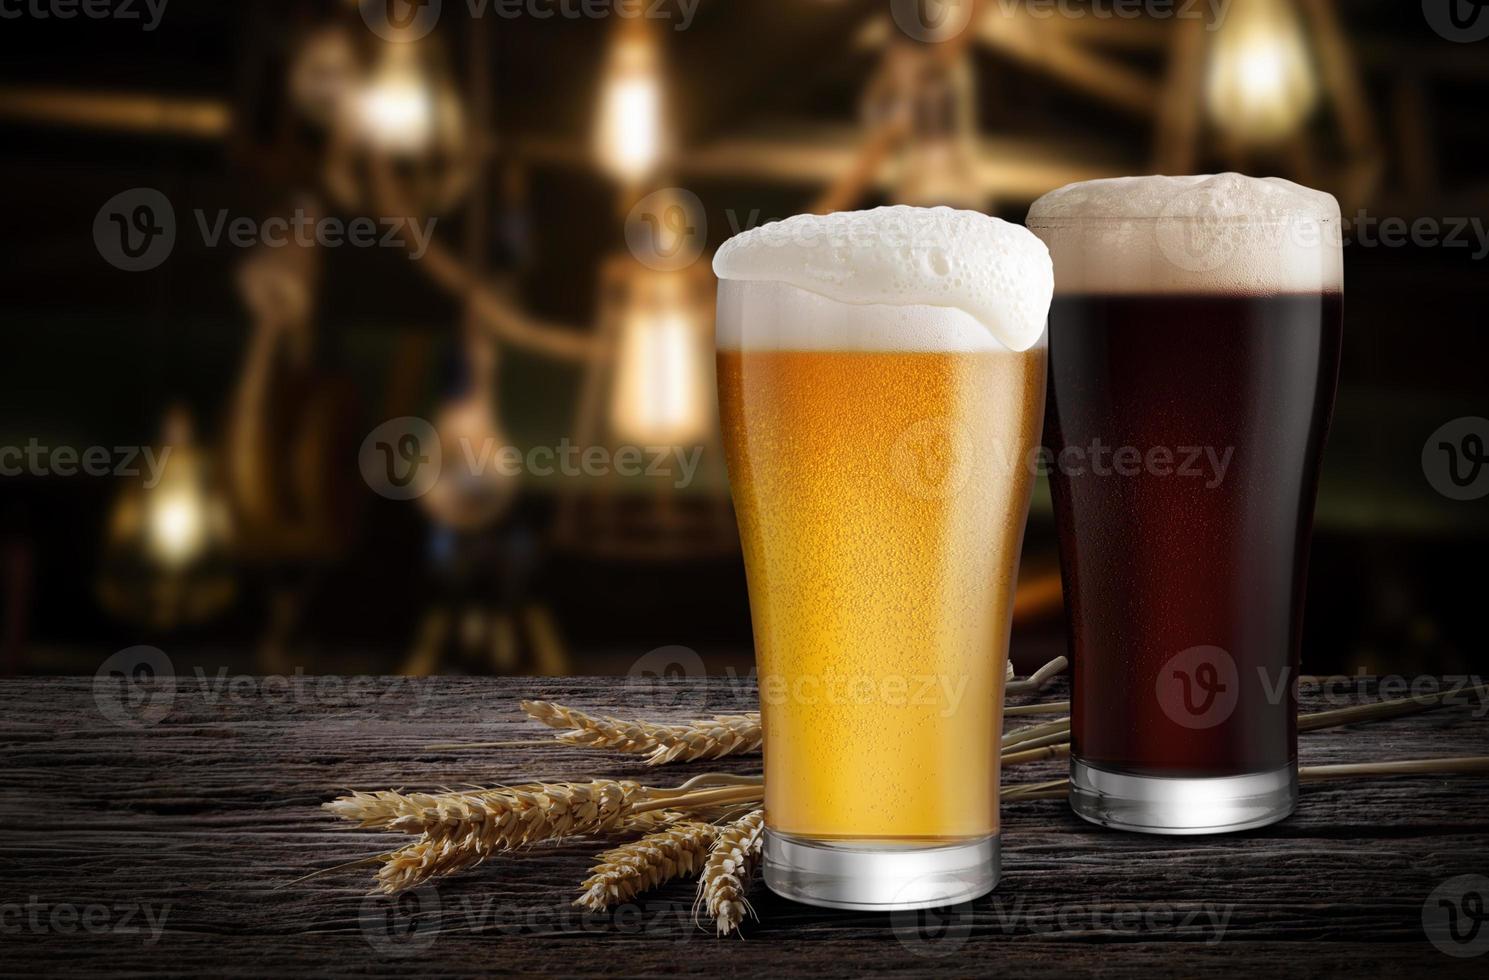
(1261, 83)
(178, 525)
(395, 110)
(661, 392)
(629, 137)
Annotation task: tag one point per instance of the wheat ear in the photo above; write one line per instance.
(711, 738)
(499, 818)
(726, 876)
(628, 870)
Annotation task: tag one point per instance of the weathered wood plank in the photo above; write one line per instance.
(204, 816)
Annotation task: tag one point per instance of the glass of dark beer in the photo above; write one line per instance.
(1194, 353)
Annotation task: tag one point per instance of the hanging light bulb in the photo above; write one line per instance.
(166, 558)
(1261, 83)
(662, 390)
(628, 136)
(403, 109)
(396, 111)
(177, 510)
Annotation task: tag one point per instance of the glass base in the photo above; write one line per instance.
(879, 877)
(1165, 805)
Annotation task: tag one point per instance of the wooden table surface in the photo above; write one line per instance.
(162, 837)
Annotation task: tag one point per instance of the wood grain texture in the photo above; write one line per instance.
(206, 815)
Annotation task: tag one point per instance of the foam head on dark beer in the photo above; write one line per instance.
(894, 279)
(1223, 233)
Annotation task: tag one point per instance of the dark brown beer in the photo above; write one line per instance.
(1187, 432)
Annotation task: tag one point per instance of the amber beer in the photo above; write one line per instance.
(1198, 318)
(878, 455)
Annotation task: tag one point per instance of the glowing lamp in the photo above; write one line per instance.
(1261, 82)
(628, 136)
(663, 390)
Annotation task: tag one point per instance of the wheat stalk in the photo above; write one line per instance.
(626, 871)
(726, 876)
(498, 819)
(711, 738)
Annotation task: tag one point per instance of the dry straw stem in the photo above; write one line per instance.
(639, 866)
(1038, 680)
(726, 877)
(1383, 709)
(1034, 732)
(1023, 755)
(1046, 708)
(712, 738)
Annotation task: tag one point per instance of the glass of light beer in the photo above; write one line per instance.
(881, 382)
(1194, 354)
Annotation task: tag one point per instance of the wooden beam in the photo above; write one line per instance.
(1346, 90)
(1179, 115)
(1044, 46)
(818, 156)
(191, 118)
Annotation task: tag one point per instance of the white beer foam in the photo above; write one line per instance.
(765, 315)
(939, 275)
(1224, 233)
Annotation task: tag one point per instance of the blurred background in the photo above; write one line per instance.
(320, 250)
